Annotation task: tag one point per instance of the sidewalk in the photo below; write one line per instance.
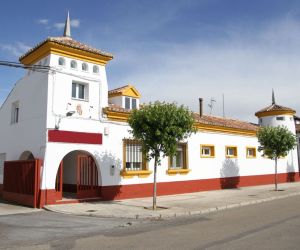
(180, 205)
(9, 209)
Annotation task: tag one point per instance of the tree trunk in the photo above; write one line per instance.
(276, 174)
(154, 184)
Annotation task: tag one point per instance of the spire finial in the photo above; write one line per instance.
(273, 97)
(67, 31)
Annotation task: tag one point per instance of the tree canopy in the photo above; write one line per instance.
(275, 142)
(159, 127)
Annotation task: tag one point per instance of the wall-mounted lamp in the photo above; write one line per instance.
(70, 113)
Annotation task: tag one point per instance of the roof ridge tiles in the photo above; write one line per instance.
(69, 42)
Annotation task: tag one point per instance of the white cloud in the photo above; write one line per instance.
(245, 68)
(43, 21)
(15, 49)
(75, 23)
(59, 25)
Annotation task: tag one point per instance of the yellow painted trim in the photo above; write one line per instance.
(58, 49)
(250, 157)
(123, 117)
(220, 129)
(129, 91)
(139, 173)
(132, 92)
(231, 156)
(212, 148)
(117, 116)
(178, 171)
(185, 160)
(144, 173)
(277, 112)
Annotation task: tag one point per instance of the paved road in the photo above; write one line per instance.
(270, 225)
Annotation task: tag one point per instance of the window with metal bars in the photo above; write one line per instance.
(134, 159)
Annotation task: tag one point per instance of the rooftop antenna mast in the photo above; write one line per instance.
(211, 104)
(223, 105)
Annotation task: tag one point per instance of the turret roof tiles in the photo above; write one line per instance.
(274, 107)
(68, 42)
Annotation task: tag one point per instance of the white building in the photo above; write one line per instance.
(62, 113)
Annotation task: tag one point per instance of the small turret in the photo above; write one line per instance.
(277, 115)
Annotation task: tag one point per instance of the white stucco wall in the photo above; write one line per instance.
(111, 153)
(45, 99)
(29, 133)
(287, 122)
(116, 100)
(60, 100)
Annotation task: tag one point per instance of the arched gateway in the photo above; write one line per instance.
(77, 177)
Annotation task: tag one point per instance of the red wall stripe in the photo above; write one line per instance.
(179, 187)
(74, 137)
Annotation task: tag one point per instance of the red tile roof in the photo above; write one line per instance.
(205, 119)
(116, 108)
(69, 42)
(118, 90)
(225, 122)
(274, 107)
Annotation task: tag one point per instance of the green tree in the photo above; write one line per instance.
(275, 142)
(159, 127)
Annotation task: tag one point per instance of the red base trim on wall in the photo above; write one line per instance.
(22, 199)
(47, 197)
(119, 192)
(74, 137)
(180, 187)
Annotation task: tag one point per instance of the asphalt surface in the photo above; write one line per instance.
(269, 225)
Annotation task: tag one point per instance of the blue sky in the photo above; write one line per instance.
(174, 50)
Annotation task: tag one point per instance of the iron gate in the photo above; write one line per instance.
(21, 182)
(87, 178)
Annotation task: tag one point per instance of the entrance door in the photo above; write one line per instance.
(59, 182)
(87, 177)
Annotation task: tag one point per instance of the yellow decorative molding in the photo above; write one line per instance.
(117, 116)
(129, 90)
(276, 112)
(221, 129)
(62, 50)
(123, 117)
(235, 152)
(250, 157)
(212, 148)
(182, 171)
(139, 173)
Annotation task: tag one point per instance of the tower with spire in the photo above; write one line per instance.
(276, 115)
(79, 71)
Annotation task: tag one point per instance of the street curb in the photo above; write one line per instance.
(180, 214)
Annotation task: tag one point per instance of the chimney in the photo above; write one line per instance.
(201, 107)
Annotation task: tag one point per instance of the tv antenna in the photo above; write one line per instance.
(211, 104)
